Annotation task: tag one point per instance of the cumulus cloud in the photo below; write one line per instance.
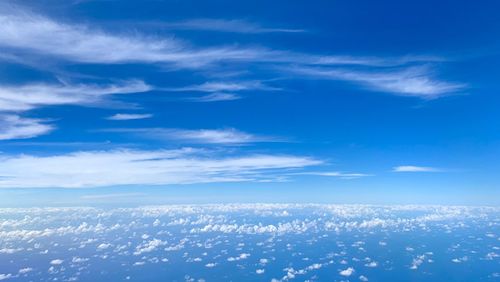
(128, 167)
(412, 168)
(347, 272)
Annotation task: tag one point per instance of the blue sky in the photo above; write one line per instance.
(192, 101)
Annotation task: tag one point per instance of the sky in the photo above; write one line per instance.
(150, 102)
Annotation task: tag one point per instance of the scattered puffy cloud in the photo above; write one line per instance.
(56, 261)
(129, 116)
(411, 168)
(347, 272)
(128, 167)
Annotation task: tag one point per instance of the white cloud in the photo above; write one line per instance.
(202, 136)
(347, 272)
(216, 97)
(225, 86)
(222, 25)
(411, 168)
(30, 96)
(25, 270)
(338, 174)
(15, 99)
(411, 81)
(16, 127)
(56, 261)
(5, 276)
(129, 116)
(25, 31)
(126, 167)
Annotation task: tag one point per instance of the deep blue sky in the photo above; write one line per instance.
(210, 101)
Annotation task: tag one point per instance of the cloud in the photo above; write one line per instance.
(225, 86)
(128, 167)
(23, 31)
(129, 116)
(411, 168)
(409, 81)
(200, 136)
(342, 175)
(16, 127)
(347, 272)
(222, 25)
(216, 97)
(22, 98)
(30, 96)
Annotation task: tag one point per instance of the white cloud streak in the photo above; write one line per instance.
(202, 136)
(223, 25)
(16, 127)
(30, 96)
(411, 168)
(412, 81)
(126, 167)
(129, 116)
(342, 175)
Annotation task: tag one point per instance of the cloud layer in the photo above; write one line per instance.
(126, 167)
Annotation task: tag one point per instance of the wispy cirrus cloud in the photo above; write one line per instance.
(216, 97)
(342, 175)
(224, 25)
(225, 86)
(127, 167)
(411, 81)
(229, 136)
(16, 99)
(24, 32)
(412, 168)
(29, 96)
(16, 127)
(129, 116)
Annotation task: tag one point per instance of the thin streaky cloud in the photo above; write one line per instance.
(128, 167)
(224, 25)
(229, 136)
(16, 127)
(216, 97)
(27, 33)
(225, 86)
(412, 168)
(129, 116)
(29, 96)
(342, 175)
(411, 81)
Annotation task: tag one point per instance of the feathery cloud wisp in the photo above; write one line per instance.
(126, 167)
(228, 136)
(129, 116)
(16, 127)
(411, 168)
